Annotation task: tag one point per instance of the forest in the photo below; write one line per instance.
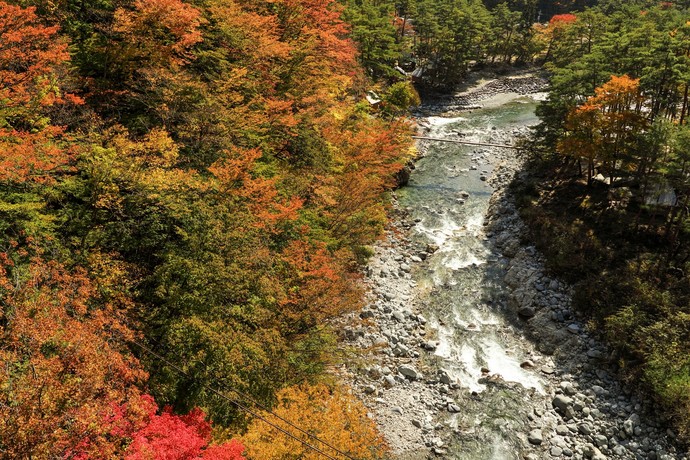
(189, 190)
(608, 198)
(186, 183)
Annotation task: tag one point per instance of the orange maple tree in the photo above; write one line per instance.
(63, 360)
(32, 60)
(604, 129)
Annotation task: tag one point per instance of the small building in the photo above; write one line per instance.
(373, 99)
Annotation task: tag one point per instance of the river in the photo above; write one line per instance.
(447, 366)
(462, 287)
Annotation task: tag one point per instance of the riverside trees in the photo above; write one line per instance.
(444, 37)
(617, 113)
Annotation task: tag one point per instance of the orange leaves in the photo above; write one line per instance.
(29, 51)
(605, 128)
(619, 97)
(62, 363)
(322, 57)
(370, 152)
(318, 286)
(31, 56)
(260, 195)
(329, 414)
(33, 157)
(160, 31)
(250, 34)
(618, 93)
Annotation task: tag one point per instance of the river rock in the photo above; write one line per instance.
(598, 390)
(601, 441)
(365, 314)
(584, 428)
(370, 389)
(409, 372)
(527, 312)
(402, 178)
(629, 427)
(568, 388)
(430, 346)
(561, 403)
(453, 408)
(595, 354)
(443, 377)
(535, 437)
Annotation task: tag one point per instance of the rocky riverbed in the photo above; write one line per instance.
(479, 355)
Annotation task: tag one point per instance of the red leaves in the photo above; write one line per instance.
(179, 437)
(66, 388)
(62, 363)
(562, 19)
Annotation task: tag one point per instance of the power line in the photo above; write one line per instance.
(457, 141)
(262, 406)
(239, 404)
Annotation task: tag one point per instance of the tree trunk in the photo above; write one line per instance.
(685, 105)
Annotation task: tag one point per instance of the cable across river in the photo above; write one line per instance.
(458, 141)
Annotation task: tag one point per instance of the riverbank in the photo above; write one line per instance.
(543, 393)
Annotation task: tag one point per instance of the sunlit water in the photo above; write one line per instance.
(462, 289)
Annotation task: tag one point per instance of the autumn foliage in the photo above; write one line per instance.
(63, 361)
(33, 60)
(175, 437)
(193, 175)
(329, 414)
(603, 130)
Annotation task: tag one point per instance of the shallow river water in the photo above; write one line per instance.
(462, 286)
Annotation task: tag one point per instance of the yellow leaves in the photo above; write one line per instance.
(156, 149)
(250, 33)
(147, 166)
(330, 414)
